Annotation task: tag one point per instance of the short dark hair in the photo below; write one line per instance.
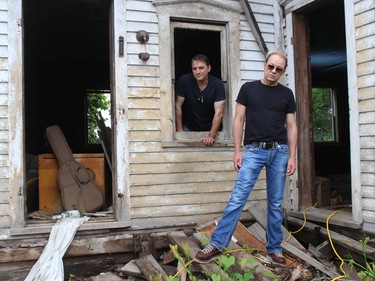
(201, 58)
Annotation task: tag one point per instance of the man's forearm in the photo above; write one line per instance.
(237, 135)
(216, 124)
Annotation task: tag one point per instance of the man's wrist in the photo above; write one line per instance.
(212, 135)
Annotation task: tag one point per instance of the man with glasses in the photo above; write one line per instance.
(268, 110)
(200, 99)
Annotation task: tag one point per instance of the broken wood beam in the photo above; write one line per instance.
(150, 268)
(337, 238)
(342, 218)
(298, 253)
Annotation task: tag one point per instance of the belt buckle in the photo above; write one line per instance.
(268, 145)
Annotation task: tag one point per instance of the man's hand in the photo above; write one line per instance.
(208, 140)
(291, 168)
(237, 160)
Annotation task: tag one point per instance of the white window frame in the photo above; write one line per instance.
(224, 134)
(192, 13)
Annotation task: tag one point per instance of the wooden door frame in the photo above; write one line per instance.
(302, 74)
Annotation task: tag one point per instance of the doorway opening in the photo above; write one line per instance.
(325, 26)
(66, 56)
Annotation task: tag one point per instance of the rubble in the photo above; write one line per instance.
(314, 257)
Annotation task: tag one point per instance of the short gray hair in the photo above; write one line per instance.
(278, 53)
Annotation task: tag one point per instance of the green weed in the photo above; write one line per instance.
(365, 272)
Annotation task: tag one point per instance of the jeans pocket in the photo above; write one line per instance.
(283, 148)
(252, 148)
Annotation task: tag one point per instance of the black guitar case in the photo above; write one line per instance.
(76, 184)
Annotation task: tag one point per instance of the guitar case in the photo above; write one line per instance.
(76, 183)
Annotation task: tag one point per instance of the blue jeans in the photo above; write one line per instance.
(254, 159)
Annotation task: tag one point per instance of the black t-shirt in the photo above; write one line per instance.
(198, 108)
(266, 109)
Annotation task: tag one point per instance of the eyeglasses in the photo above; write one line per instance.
(201, 99)
(271, 67)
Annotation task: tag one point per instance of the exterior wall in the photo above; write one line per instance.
(177, 185)
(166, 185)
(364, 15)
(4, 119)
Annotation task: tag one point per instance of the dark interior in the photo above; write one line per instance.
(66, 53)
(329, 69)
(190, 42)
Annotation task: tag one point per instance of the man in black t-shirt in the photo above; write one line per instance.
(267, 109)
(200, 99)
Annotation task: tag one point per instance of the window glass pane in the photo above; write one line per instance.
(98, 109)
(323, 114)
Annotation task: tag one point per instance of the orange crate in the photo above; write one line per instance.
(49, 193)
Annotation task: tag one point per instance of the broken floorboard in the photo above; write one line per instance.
(151, 268)
(244, 236)
(337, 238)
(342, 218)
(261, 233)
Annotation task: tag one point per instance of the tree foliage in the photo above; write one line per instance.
(97, 103)
(323, 114)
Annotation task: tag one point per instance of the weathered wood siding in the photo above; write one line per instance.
(177, 185)
(4, 127)
(365, 46)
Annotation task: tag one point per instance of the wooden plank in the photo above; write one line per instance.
(321, 215)
(132, 269)
(150, 268)
(302, 77)
(244, 235)
(25, 250)
(298, 253)
(259, 212)
(337, 238)
(318, 255)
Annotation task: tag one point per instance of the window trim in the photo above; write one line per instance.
(224, 134)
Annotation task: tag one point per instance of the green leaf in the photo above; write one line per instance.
(226, 262)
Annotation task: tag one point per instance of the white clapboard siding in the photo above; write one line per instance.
(179, 185)
(188, 188)
(365, 37)
(4, 121)
(252, 58)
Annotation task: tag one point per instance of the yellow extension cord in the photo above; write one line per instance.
(329, 238)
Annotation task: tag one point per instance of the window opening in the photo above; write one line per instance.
(190, 39)
(324, 115)
(98, 114)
